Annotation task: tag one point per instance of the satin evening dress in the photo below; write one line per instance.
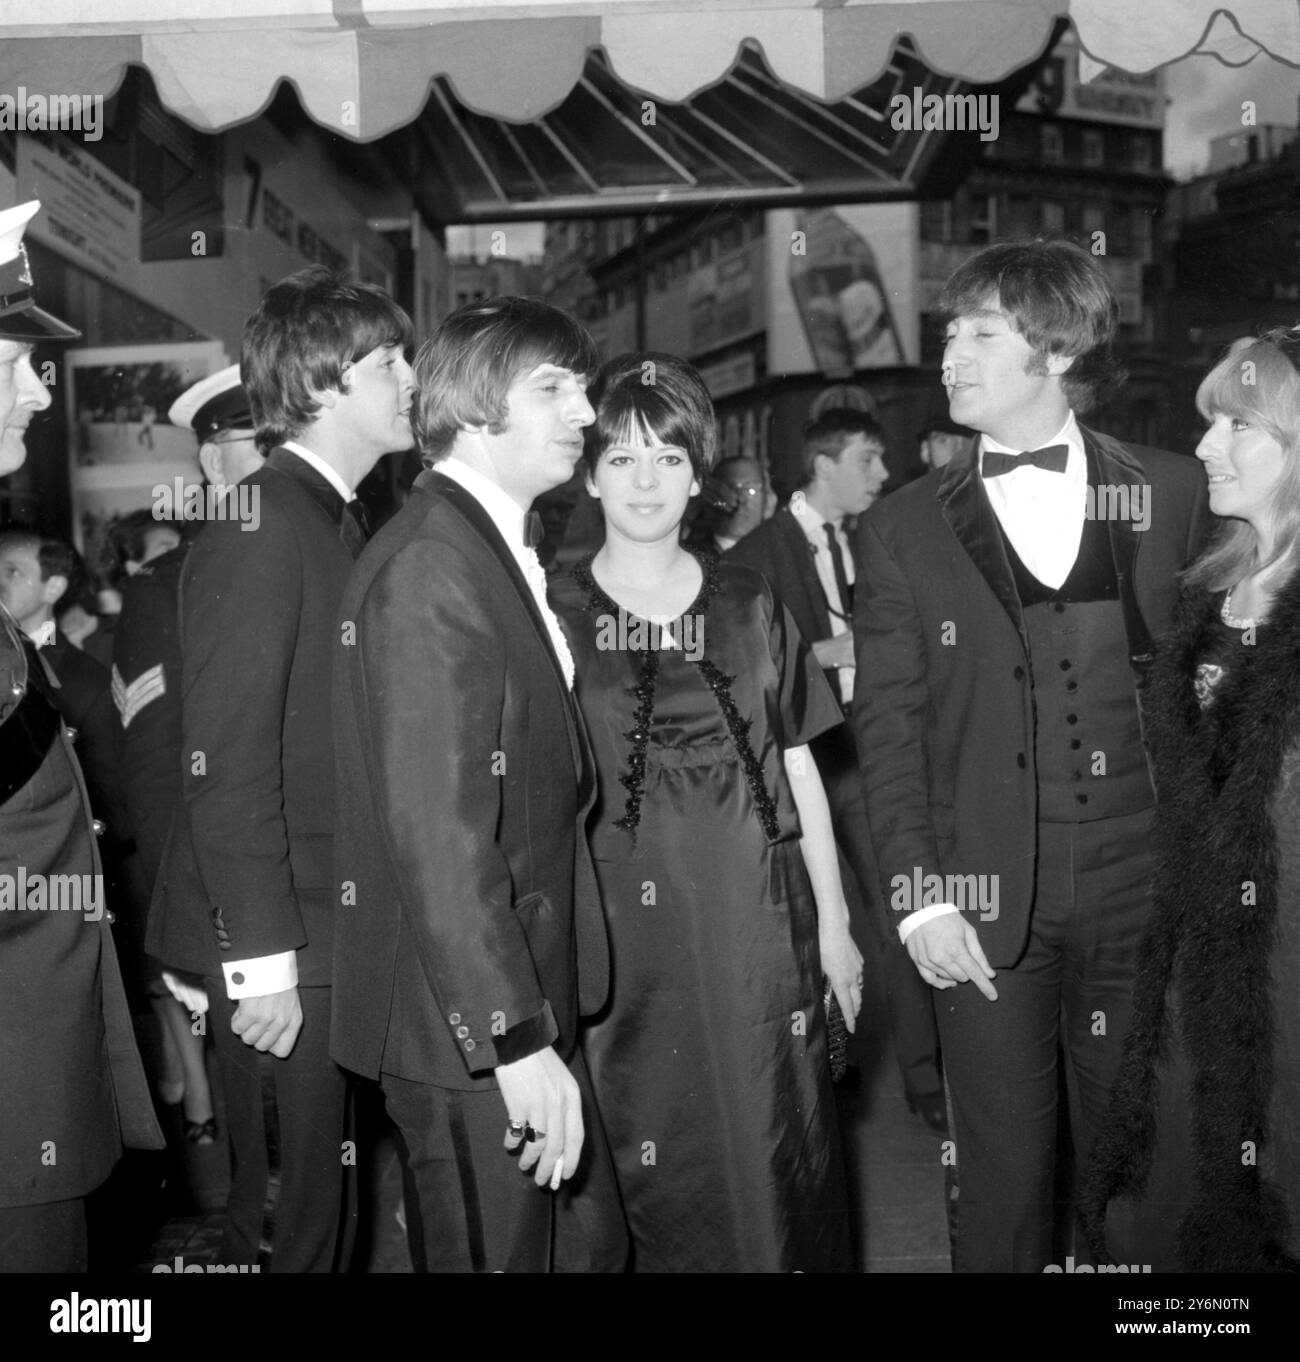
(709, 1064)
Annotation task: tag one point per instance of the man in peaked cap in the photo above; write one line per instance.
(147, 695)
(75, 1092)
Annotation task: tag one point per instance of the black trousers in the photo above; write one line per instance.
(306, 1100)
(1068, 1000)
(908, 998)
(477, 1212)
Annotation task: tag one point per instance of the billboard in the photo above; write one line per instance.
(842, 288)
(1059, 91)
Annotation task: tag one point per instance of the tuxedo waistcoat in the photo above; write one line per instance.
(1087, 734)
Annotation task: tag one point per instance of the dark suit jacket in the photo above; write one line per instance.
(780, 550)
(85, 701)
(944, 700)
(147, 686)
(464, 784)
(248, 869)
(72, 1089)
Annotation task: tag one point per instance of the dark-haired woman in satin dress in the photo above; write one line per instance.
(716, 861)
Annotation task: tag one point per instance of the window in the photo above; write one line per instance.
(1094, 217)
(1053, 217)
(936, 220)
(1052, 145)
(983, 218)
(1093, 150)
(1141, 152)
(1143, 234)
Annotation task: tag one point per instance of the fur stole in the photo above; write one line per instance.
(1211, 936)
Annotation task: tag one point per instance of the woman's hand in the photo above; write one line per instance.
(842, 965)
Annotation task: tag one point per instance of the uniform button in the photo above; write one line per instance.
(110, 918)
(1071, 718)
(1059, 607)
(1076, 743)
(98, 825)
(1071, 686)
(237, 977)
(462, 1031)
(1020, 760)
(1019, 673)
(454, 1019)
(1083, 799)
(469, 1045)
(1065, 664)
(1078, 775)
(223, 945)
(72, 735)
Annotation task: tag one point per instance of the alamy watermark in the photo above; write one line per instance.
(968, 893)
(41, 893)
(920, 112)
(189, 501)
(29, 112)
(622, 633)
(1123, 502)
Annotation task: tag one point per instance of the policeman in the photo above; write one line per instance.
(147, 693)
(74, 1090)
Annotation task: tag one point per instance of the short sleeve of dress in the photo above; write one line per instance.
(808, 706)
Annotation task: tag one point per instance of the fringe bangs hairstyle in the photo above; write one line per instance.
(1062, 304)
(464, 370)
(1259, 381)
(654, 399)
(305, 330)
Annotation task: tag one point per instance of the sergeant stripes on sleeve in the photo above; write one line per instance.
(130, 700)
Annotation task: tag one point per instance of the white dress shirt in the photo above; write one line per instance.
(813, 524)
(275, 973)
(327, 471)
(1042, 514)
(509, 519)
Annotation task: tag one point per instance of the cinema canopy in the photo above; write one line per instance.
(544, 103)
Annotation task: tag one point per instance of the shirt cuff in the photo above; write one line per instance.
(916, 918)
(265, 974)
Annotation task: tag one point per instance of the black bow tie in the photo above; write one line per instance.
(1052, 458)
(534, 530)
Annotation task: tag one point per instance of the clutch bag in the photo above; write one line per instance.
(837, 1034)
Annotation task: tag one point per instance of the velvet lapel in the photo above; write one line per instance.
(1117, 467)
(482, 524)
(965, 506)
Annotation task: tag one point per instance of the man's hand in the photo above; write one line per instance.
(834, 652)
(540, 1092)
(947, 951)
(270, 1021)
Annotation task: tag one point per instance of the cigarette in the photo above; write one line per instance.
(558, 1176)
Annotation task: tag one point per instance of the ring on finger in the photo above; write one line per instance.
(530, 1135)
(516, 1130)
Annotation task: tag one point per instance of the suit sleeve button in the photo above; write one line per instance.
(469, 1045)
(99, 825)
(462, 1031)
(454, 1019)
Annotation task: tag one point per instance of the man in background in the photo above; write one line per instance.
(807, 557)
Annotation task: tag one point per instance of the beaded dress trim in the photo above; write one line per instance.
(633, 779)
